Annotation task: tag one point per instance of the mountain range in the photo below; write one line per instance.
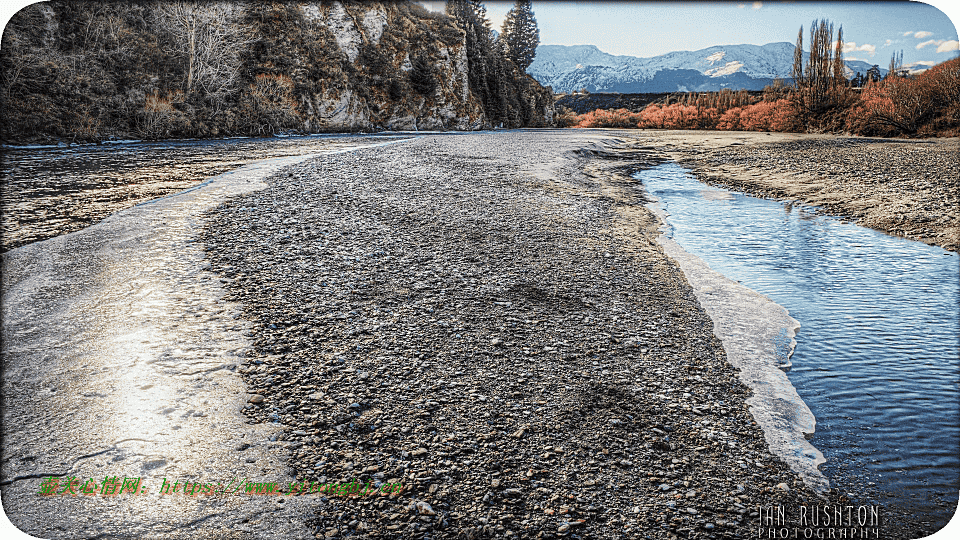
(569, 68)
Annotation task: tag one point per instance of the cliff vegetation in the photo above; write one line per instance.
(88, 71)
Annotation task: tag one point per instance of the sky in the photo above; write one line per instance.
(872, 31)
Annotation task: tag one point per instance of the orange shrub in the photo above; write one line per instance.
(926, 105)
(709, 118)
(600, 118)
(730, 120)
(651, 117)
(679, 116)
(779, 115)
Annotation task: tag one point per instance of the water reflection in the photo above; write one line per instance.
(877, 353)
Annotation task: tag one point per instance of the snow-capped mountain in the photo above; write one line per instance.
(571, 67)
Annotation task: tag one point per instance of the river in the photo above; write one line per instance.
(876, 356)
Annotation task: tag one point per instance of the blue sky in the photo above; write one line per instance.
(872, 30)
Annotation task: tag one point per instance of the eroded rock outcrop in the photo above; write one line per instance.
(309, 67)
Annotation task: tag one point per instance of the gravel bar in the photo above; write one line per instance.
(488, 320)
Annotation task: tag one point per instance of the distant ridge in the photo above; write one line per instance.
(568, 68)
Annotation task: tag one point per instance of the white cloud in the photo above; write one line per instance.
(922, 34)
(851, 46)
(757, 5)
(947, 46)
(905, 34)
(918, 67)
(888, 43)
(929, 42)
(741, 6)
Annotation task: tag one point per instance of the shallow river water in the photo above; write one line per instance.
(876, 357)
(118, 352)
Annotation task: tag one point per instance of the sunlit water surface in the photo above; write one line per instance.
(877, 351)
(118, 350)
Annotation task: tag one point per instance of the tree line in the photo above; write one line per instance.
(821, 99)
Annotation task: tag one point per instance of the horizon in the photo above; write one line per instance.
(873, 31)
(882, 66)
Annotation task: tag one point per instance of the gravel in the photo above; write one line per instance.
(487, 319)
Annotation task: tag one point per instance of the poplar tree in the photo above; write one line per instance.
(839, 73)
(520, 34)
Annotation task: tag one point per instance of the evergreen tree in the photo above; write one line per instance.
(520, 34)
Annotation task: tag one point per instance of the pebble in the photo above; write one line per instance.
(425, 509)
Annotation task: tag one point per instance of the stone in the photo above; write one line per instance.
(424, 509)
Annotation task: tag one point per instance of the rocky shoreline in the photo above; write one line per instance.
(902, 187)
(487, 319)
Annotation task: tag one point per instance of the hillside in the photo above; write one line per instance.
(749, 67)
(92, 71)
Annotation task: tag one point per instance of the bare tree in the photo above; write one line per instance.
(207, 36)
(798, 60)
(896, 66)
(821, 84)
(819, 73)
(839, 75)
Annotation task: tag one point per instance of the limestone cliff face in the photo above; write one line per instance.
(90, 71)
(364, 102)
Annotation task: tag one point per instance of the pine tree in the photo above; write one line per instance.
(520, 34)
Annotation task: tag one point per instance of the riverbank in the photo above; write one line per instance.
(902, 187)
(47, 192)
(489, 320)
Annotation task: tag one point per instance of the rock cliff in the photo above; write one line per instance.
(91, 71)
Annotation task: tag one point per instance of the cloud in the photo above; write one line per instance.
(948, 46)
(757, 5)
(741, 6)
(851, 46)
(907, 33)
(929, 42)
(888, 43)
(922, 34)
